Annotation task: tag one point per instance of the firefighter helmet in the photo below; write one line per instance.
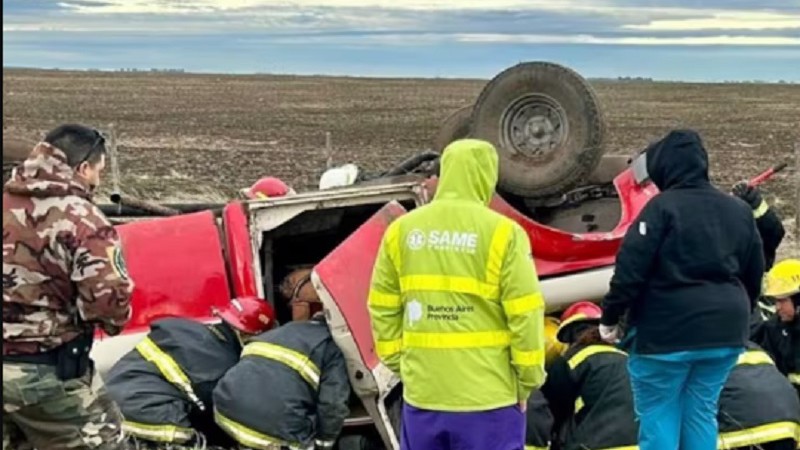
(553, 348)
(269, 187)
(586, 312)
(249, 315)
(783, 280)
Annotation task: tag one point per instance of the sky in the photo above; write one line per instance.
(687, 40)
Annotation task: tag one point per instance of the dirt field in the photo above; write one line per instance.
(203, 136)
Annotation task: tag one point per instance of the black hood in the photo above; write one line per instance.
(678, 160)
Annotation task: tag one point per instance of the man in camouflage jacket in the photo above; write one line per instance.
(63, 275)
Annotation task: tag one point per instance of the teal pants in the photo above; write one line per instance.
(676, 397)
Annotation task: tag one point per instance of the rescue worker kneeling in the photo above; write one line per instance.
(780, 335)
(290, 389)
(538, 417)
(758, 406)
(164, 386)
(588, 388)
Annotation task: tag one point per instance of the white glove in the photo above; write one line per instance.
(609, 333)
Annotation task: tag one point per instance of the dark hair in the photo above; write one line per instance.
(590, 336)
(78, 142)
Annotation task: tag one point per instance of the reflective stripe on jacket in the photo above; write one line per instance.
(290, 388)
(588, 390)
(455, 303)
(163, 387)
(757, 405)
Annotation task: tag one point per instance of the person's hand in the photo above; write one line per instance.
(749, 194)
(523, 405)
(610, 333)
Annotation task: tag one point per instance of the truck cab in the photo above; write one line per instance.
(185, 265)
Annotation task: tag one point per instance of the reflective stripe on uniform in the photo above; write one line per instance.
(169, 369)
(579, 404)
(386, 300)
(497, 251)
(324, 444)
(244, 435)
(297, 361)
(581, 356)
(443, 283)
(385, 349)
(759, 435)
(627, 447)
(160, 433)
(762, 209)
(754, 357)
(527, 358)
(533, 447)
(523, 305)
(794, 378)
(457, 340)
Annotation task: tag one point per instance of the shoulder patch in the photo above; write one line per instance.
(117, 261)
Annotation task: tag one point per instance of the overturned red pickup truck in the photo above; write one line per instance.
(553, 182)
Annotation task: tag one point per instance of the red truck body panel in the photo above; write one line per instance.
(239, 250)
(560, 252)
(346, 274)
(178, 267)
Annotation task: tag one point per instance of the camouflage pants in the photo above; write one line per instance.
(43, 412)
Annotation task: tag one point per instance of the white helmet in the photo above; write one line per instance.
(339, 176)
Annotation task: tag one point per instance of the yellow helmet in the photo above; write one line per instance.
(783, 280)
(553, 347)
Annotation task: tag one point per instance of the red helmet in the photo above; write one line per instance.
(269, 187)
(578, 312)
(250, 315)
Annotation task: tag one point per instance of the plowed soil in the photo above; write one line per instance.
(201, 137)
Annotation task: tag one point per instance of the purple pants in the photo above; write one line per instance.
(496, 429)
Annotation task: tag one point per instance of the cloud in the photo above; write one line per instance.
(725, 21)
(265, 28)
(642, 40)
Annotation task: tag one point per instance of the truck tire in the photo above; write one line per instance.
(456, 126)
(547, 125)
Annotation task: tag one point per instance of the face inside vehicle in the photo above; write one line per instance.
(785, 308)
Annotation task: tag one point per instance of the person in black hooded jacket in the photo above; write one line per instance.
(688, 274)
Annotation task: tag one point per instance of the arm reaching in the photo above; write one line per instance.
(385, 307)
(99, 272)
(524, 309)
(334, 392)
(634, 262)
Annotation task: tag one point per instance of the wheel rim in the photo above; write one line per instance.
(534, 125)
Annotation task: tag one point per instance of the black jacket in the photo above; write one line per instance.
(539, 422)
(781, 341)
(691, 262)
(146, 396)
(291, 386)
(588, 391)
(758, 404)
(771, 230)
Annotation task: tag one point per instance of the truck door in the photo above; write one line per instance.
(342, 280)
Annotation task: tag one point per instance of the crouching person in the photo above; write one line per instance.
(538, 422)
(290, 389)
(758, 407)
(588, 388)
(164, 386)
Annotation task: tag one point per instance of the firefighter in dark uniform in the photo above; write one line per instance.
(771, 230)
(780, 335)
(164, 386)
(539, 422)
(290, 390)
(588, 388)
(758, 407)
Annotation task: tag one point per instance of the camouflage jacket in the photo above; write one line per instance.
(63, 269)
